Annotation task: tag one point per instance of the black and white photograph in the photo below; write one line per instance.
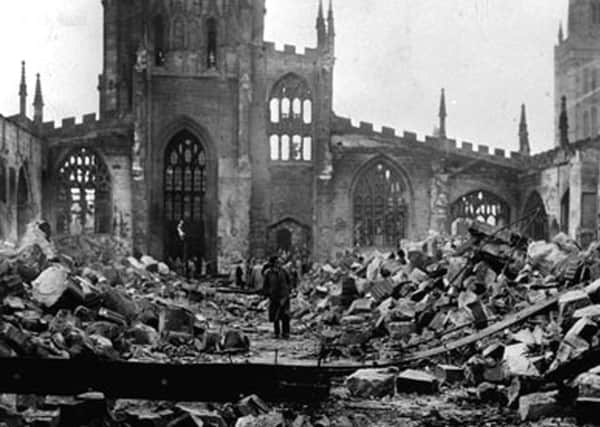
(299, 213)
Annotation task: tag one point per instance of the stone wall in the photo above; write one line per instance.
(21, 163)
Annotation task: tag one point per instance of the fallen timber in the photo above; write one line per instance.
(282, 380)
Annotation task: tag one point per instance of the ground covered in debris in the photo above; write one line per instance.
(489, 330)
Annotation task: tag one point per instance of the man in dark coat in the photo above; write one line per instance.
(277, 288)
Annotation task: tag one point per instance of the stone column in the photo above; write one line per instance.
(439, 200)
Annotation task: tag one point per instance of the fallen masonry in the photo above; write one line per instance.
(492, 320)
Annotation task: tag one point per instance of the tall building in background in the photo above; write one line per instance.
(577, 70)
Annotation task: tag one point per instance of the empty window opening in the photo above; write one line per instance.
(211, 53)
(84, 193)
(159, 40)
(290, 113)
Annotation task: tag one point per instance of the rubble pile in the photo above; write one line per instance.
(508, 322)
(89, 298)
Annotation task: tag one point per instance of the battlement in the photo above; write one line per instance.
(344, 125)
(70, 127)
(291, 51)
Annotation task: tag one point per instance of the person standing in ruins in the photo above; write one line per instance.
(183, 240)
(277, 288)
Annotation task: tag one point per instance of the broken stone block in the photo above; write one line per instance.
(495, 374)
(252, 405)
(234, 341)
(118, 301)
(174, 319)
(359, 306)
(518, 363)
(449, 373)
(141, 334)
(400, 331)
(569, 302)
(41, 418)
(588, 385)
(381, 290)
(50, 285)
(413, 381)
(323, 421)
(302, 421)
(201, 416)
(372, 382)
(583, 329)
(591, 312)
(534, 406)
(273, 419)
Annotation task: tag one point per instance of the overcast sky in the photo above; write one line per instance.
(393, 56)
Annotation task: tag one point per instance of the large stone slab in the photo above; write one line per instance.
(372, 382)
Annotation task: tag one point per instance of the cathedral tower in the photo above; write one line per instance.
(577, 70)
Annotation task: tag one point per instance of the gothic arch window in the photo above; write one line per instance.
(211, 43)
(290, 120)
(84, 193)
(159, 40)
(565, 206)
(379, 207)
(185, 175)
(536, 224)
(179, 33)
(481, 206)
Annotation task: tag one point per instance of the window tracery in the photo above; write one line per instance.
(481, 206)
(290, 120)
(83, 194)
(380, 208)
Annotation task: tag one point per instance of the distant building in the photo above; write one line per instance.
(577, 70)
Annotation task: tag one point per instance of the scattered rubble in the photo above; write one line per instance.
(510, 322)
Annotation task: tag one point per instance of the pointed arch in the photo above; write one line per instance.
(480, 205)
(205, 226)
(380, 197)
(290, 113)
(84, 196)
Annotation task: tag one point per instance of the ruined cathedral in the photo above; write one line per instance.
(202, 120)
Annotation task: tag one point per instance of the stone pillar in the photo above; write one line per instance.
(439, 200)
(575, 195)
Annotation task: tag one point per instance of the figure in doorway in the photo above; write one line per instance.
(183, 241)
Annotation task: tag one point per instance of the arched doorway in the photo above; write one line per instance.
(22, 203)
(481, 206)
(379, 207)
(184, 195)
(536, 225)
(84, 194)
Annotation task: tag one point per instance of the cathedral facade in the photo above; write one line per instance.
(202, 120)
